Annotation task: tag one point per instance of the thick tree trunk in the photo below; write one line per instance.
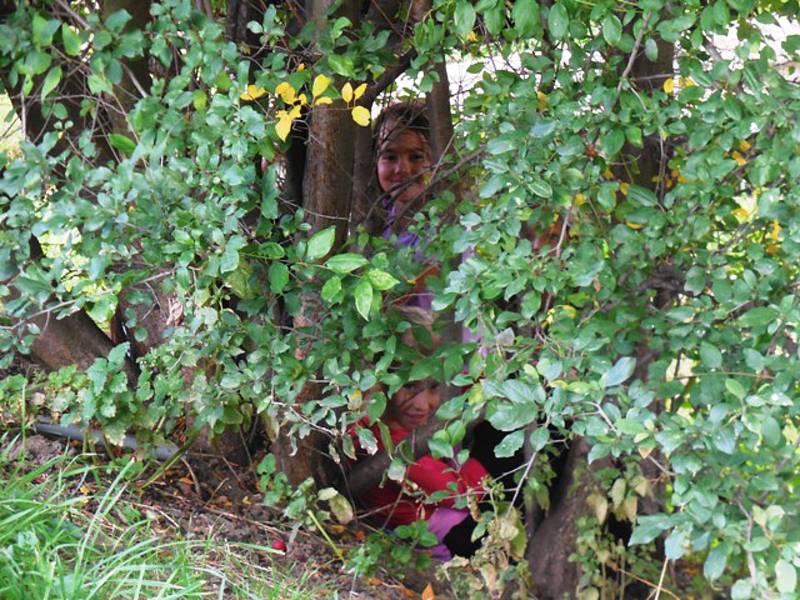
(327, 186)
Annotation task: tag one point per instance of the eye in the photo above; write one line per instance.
(389, 156)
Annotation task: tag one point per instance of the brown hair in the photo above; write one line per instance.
(401, 116)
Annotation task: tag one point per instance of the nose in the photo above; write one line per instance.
(403, 166)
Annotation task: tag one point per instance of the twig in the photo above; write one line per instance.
(661, 579)
(387, 78)
(632, 57)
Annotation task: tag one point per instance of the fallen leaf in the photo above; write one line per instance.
(427, 593)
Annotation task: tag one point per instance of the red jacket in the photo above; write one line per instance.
(401, 504)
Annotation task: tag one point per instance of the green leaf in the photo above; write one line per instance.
(612, 142)
(363, 297)
(651, 50)
(464, 18)
(381, 280)
(542, 189)
(612, 30)
(648, 528)
(500, 145)
(320, 243)
(376, 406)
(725, 440)
(278, 277)
(620, 372)
(771, 431)
(526, 17)
(71, 39)
(710, 355)
(558, 21)
(51, 81)
(331, 288)
(716, 561)
(122, 143)
(345, 263)
(117, 20)
(440, 448)
(539, 438)
(735, 388)
(675, 545)
(786, 577)
(43, 30)
(341, 64)
(642, 195)
(510, 444)
(509, 416)
(758, 317)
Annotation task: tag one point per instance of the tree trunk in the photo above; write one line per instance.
(327, 182)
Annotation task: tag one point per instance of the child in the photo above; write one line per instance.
(403, 503)
(401, 141)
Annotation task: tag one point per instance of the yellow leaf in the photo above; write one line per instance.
(347, 92)
(85, 490)
(286, 92)
(669, 85)
(361, 115)
(427, 593)
(570, 310)
(323, 100)
(253, 92)
(471, 37)
(284, 125)
(542, 102)
(301, 67)
(359, 91)
(580, 199)
(740, 160)
(295, 112)
(776, 230)
(321, 84)
(741, 214)
(744, 146)
(633, 225)
(687, 82)
(624, 187)
(302, 99)
(608, 174)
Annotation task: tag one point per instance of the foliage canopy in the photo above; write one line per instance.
(658, 144)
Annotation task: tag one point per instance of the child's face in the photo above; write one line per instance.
(413, 404)
(402, 160)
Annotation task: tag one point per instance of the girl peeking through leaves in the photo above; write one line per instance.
(430, 487)
(401, 141)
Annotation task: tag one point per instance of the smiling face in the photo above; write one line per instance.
(413, 404)
(402, 160)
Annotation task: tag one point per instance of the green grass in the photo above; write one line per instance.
(56, 543)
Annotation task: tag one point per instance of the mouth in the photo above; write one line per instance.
(417, 419)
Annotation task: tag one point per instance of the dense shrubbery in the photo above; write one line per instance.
(658, 165)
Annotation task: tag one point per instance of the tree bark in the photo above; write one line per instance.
(327, 186)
